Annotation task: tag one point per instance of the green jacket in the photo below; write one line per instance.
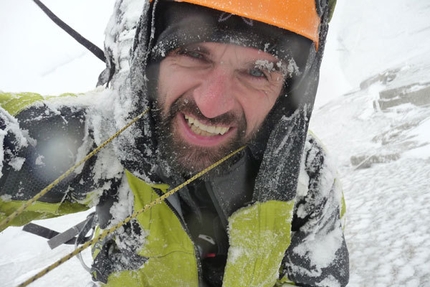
(271, 243)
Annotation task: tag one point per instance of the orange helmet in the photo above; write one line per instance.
(298, 16)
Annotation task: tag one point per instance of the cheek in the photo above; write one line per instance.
(256, 111)
(169, 89)
(173, 83)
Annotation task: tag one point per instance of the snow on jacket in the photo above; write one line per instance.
(272, 242)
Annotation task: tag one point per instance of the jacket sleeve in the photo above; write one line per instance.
(39, 141)
(317, 255)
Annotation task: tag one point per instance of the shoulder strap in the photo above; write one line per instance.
(67, 237)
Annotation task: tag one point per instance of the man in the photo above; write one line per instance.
(216, 76)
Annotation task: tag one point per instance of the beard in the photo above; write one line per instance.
(187, 159)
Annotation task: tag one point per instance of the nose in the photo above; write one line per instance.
(214, 96)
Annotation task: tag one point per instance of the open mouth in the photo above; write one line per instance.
(205, 130)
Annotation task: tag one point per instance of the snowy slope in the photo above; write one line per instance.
(380, 133)
(383, 153)
(387, 189)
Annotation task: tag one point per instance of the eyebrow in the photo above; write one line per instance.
(281, 68)
(194, 47)
(276, 65)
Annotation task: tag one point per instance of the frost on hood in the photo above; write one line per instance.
(322, 184)
(120, 33)
(318, 242)
(124, 206)
(128, 100)
(130, 146)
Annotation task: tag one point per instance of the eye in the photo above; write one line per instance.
(193, 56)
(262, 75)
(192, 53)
(257, 73)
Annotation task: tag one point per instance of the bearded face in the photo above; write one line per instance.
(185, 117)
(212, 99)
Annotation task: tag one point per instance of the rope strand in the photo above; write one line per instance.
(106, 232)
(44, 191)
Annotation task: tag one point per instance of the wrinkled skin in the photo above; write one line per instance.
(213, 98)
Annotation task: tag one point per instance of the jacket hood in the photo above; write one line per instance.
(127, 74)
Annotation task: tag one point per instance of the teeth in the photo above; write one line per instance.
(205, 130)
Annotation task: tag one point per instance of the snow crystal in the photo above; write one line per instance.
(292, 67)
(265, 64)
(303, 181)
(123, 207)
(39, 160)
(16, 163)
(235, 253)
(321, 250)
(330, 281)
(287, 69)
(6, 197)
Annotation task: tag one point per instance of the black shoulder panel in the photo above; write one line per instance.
(55, 136)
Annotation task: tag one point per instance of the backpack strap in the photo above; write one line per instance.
(78, 37)
(67, 237)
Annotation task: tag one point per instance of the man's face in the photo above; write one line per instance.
(213, 98)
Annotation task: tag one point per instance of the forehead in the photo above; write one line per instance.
(229, 49)
(178, 24)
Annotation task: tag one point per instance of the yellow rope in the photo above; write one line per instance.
(128, 219)
(44, 191)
